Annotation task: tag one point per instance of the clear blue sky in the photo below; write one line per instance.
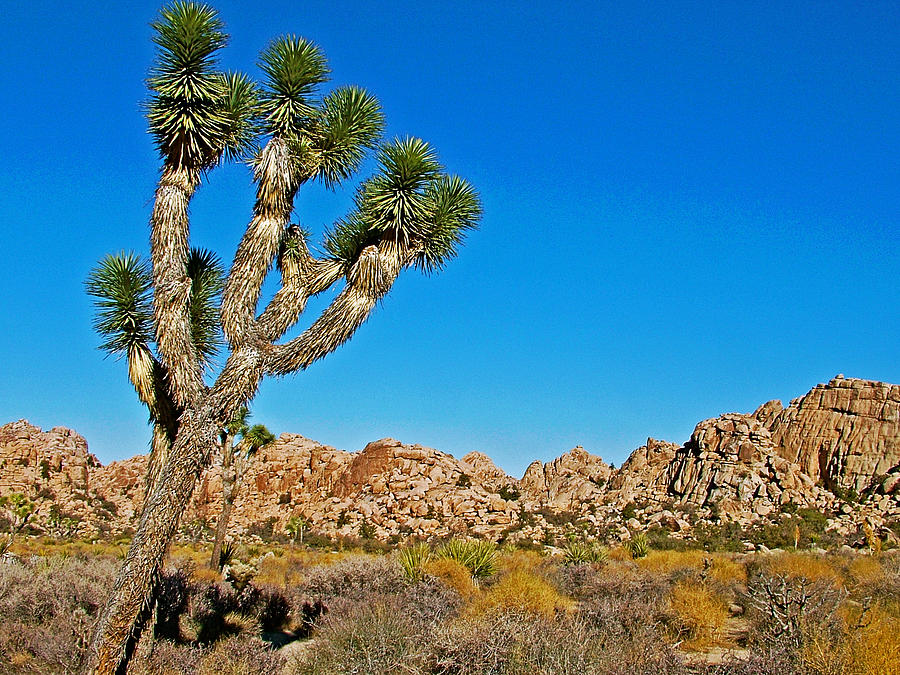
(690, 208)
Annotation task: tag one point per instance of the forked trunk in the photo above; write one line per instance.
(228, 480)
(118, 627)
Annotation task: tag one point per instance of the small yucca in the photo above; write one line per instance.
(582, 553)
(413, 560)
(638, 546)
(479, 557)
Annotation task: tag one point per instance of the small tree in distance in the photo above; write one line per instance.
(234, 464)
(409, 214)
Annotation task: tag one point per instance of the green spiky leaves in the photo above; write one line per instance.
(207, 281)
(188, 109)
(121, 284)
(411, 202)
(349, 124)
(293, 68)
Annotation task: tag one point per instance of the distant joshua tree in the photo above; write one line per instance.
(234, 464)
(409, 214)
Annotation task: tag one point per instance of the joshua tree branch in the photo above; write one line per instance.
(172, 285)
(276, 178)
(370, 278)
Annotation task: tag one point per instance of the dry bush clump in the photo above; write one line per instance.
(523, 591)
(236, 655)
(48, 607)
(453, 574)
(353, 577)
(698, 615)
(514, 643)
(810, 566)
(379, 637)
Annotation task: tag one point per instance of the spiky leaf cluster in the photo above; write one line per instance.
(293, 69)
(349, 124)
(191, 111)
(207, 281)
(411, 202)
(121, 284)
(256, 437)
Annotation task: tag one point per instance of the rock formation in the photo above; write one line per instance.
(838, 438)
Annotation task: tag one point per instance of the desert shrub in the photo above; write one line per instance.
(208, 607)
(698, 614)
(661, 540)
(512, 643)
(236, 655)
(430, 601)
(524, 592)
(171, 594)
(267, 605)
(369, 638)
(809, 566)
(354, 577)
(727, 537)
(48, 608)
(452, 574)
(785, 606)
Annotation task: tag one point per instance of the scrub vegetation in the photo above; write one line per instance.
(458, 607)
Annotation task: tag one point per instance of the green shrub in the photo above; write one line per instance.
(638, 546)
(412, 561)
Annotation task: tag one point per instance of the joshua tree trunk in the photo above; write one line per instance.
(228, 481)
(117, 628)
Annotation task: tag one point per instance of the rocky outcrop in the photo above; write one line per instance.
(844, 433)
(743, 467)
(573, 478)
(731, 462)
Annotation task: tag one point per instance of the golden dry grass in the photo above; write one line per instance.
(871, 646)
(619, 553)
(719, 566)
(528, 561)
(698, 615)
(454, 574)
(865, 570)
(805, 565)
(522, 591)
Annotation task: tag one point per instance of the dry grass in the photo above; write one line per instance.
(870, 645)
(698, 615)
(865, 571)
(454, 574)
(619, 553)
(809, 566)
(522, 591)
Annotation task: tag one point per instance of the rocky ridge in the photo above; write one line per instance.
(839, 440)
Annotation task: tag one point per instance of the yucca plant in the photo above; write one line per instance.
(477, 556)
(638, 546)
(413, 559)
(582, 553)
(410, 213)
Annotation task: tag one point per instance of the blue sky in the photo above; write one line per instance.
(690, 208)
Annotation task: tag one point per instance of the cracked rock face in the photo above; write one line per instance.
(846, 432)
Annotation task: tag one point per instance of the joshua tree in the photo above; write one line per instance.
(252, 439)
(409, 214)
(295, 527)
(18, 509)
